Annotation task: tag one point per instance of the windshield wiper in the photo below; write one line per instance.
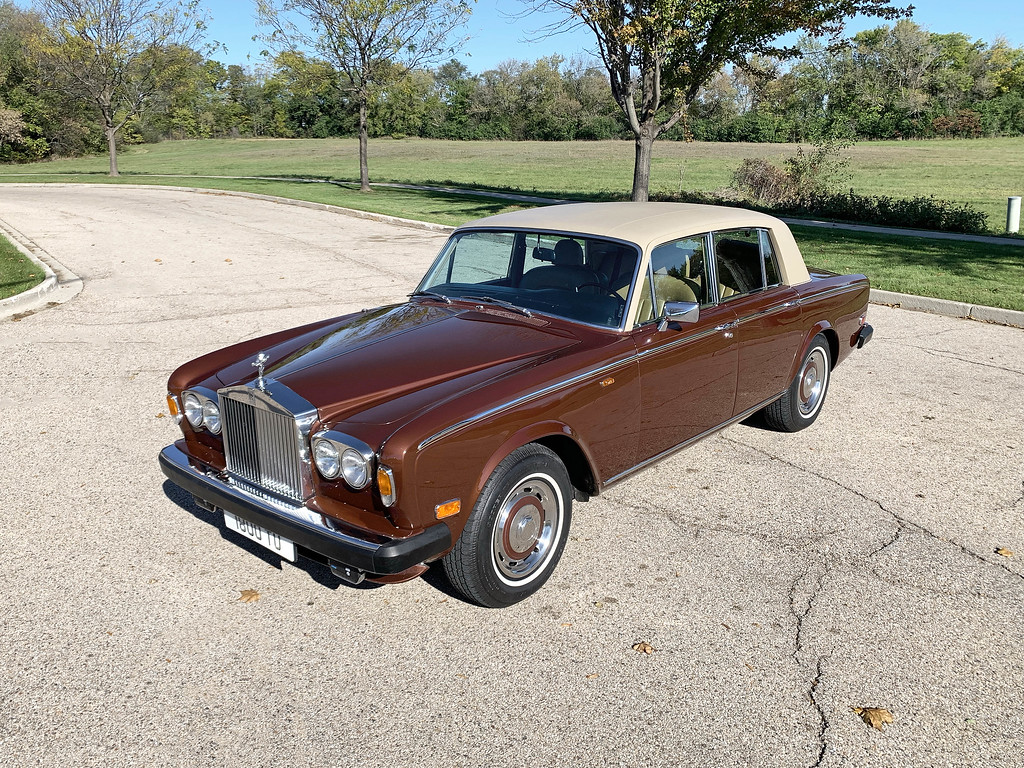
(431, 295)
(499, 302)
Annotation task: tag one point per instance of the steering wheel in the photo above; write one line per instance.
(601, 289)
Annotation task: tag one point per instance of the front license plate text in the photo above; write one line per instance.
(274, 542)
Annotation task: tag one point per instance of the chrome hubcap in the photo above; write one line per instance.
(812, 382)
(525, 529)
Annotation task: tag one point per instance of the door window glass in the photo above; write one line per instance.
(738, 261)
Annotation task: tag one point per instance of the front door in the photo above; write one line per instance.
(687, 379)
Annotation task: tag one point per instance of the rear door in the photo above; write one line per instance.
(767, 314)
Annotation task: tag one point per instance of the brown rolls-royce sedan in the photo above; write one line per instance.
(545, 355)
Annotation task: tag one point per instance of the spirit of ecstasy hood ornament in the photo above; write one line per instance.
(261, 360)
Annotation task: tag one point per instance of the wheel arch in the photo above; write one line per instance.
(823, 328)
(563, 441)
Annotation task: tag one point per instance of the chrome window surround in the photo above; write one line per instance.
(278, 400)
(633, 288)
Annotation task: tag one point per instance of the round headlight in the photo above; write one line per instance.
(211, 416)
(193, 409)
(355, 469)
(325, 455)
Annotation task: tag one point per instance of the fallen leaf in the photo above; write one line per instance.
(643, 647)
(1004, 551)
(161, 415)
(566, 624)
(157, 260)
(228, 260)
(249, 596)
(748, 666)
(591, 677)
(876, 717)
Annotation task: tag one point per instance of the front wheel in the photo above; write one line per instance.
(516, 532)
(801, 403)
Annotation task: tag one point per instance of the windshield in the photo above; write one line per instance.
(580, 278)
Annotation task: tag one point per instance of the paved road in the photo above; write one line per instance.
(782, 579)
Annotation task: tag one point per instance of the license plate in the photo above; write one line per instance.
(274, 542)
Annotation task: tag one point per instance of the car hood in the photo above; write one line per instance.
(386, 362)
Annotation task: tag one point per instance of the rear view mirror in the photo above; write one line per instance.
(679, 312)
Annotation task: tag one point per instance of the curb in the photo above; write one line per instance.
(949, 308)
(60, 284)
(32, 297)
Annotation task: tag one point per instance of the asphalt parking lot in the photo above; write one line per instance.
(781, 580)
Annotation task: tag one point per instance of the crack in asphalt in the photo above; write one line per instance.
(823, 722)
(800, 609)
(951, 356)
(901, 522)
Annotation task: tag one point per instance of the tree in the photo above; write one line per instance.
(369, 42)
(659, 53)
(114, 52)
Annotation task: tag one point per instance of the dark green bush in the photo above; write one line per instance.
(912, 213)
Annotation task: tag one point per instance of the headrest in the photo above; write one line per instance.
(568, 253)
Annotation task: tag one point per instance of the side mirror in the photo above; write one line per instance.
(679, 312)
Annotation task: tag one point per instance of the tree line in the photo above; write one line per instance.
(891, 82)
(682, 69)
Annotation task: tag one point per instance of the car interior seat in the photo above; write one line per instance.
(566, 273)
(666, 288)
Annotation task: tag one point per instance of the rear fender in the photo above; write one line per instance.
(824, 327)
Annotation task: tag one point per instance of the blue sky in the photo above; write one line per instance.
(496, 35)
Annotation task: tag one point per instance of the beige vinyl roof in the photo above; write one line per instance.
(650, 224)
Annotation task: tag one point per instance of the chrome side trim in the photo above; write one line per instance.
(830, 292)
(684, 340)
(767, 312)
(525, 399)
(691, 441)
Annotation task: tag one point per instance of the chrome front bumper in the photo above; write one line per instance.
(303, 526)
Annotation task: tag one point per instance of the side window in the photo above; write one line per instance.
(738, 261)
(679, 274)
(771, 269)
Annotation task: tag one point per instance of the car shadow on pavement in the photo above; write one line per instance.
(319, 572)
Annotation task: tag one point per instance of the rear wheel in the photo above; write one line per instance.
(516, 532)
(800, 404)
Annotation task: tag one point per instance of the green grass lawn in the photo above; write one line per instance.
(977, 171)
(982, 172)
(17, 271)
(976, 273)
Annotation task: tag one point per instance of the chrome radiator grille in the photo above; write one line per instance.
(262, 447)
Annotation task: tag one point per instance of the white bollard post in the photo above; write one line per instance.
(1013, 215)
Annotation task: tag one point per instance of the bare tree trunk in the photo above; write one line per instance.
(364, 164)
(112, 149)
(642, 164)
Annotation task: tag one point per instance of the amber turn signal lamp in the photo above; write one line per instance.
(386, 485)
(172, 407)
(448, 509)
